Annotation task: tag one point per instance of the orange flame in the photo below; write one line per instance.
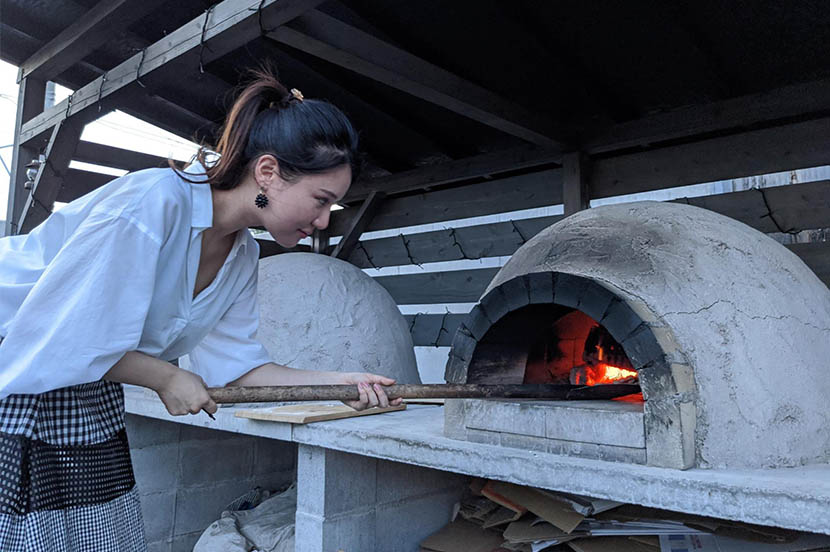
(605, 373)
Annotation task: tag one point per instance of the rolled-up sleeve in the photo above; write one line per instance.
(230, 349)
(86, 310)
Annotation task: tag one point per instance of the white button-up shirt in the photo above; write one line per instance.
(114, 271)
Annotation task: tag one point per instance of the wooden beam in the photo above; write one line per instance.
(163, 113)
(790, 208)
(466, 286)
(47, 184)
(139, 102)
(485, 165)
(525, 191)
(791, 146)
(341, 44)
(78, 182)
(781, 208)
(798, 101)
(223, 28)
(119, 158)
(458, 286)
(433, 330)
(105, 21)
(30, 97)
(381, 133)
(468, 242)
(575, 193)
(358, 225)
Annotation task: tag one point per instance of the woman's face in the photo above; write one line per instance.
(295, 209)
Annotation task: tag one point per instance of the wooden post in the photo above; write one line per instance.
(47, 184)
(320, 241)
(575, 193)
(358, 225)
(30, 98)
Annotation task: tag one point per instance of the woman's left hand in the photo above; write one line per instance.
(370, 387)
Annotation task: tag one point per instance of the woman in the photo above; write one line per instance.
(128, 278)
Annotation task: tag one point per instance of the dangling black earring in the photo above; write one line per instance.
(261, 199)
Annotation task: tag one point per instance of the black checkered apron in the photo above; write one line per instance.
(66, 480)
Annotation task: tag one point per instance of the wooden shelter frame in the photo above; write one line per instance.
(775, 130)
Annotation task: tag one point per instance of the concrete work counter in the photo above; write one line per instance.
(795, 498)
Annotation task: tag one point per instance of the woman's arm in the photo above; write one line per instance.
(182, 392)
(370, 386)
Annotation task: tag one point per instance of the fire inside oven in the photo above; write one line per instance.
(552, 344)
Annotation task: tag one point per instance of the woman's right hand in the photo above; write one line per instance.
(185, 393)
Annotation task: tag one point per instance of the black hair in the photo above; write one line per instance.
(305, 136)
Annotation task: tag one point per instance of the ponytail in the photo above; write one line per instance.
(305, 136)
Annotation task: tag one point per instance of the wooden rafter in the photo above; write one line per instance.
(538, 189)
(379, 124)
(105, 21)
(484, 165)
(328, 38)
(798, 101)
(143, 102)
(119, 158)
(213, 34)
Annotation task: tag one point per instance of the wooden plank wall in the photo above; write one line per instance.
(777, 209)
(771, 210)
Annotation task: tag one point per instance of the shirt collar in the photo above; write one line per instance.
(201, 197)
(202, 208)
(240, 244)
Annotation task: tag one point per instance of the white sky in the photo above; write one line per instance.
(115, 129)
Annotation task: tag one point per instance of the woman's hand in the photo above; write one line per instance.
(185, 393)
(180, 391)
(370, 387)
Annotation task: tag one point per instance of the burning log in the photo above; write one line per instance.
(605, 361)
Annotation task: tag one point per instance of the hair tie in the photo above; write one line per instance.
(293, 95)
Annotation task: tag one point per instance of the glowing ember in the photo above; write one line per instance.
(603, 373)
(605, 361)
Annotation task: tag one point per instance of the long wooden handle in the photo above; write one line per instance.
(290, 393)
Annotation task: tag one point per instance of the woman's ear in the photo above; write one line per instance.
(267, 173)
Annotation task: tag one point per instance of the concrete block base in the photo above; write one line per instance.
(351, 502)
(187, 475)
(409, 450)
